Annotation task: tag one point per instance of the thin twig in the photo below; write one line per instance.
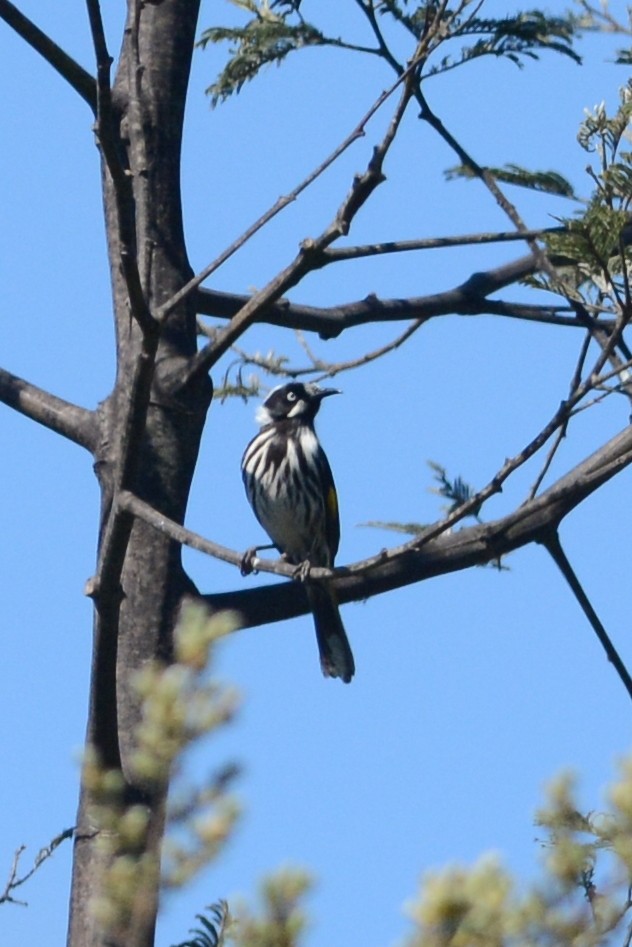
(13, 881)
(338, 254)
(561, 434)
(323, 368)
(358, 132)
(552, 544)
(310, 255)
(495, 485)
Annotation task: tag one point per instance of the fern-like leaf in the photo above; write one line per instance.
(264, 40)
(213, 927)
(549, 182)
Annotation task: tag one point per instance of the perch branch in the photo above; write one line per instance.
(449, 552)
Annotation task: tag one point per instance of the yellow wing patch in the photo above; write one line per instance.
(332, 502)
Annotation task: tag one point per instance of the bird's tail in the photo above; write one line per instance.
(336, 658)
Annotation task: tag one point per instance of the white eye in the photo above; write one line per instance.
(291, 396)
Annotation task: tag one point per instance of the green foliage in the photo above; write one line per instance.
(281, 921)
(582, 899)
(211, 932)
(597, 242)
(457, 491)
(267, 38)
(522, 36)
(276, 29)
(549, 182)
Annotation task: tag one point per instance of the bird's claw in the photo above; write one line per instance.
(247, 561)
(301, 573)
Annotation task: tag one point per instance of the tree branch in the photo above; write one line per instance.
(551, 543)
(70, 70)
(310, 255)
(71, 421)
(450, 552)
(279, 205)
(15, 881)
(338, 254)
(469, 298)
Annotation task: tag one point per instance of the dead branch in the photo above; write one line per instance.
(15, 881)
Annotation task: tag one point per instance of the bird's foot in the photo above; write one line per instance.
(247, 561)
(301, 573)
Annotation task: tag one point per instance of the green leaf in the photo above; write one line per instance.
(524, 35)
(457, 490)
(264, 40)
(214, 927)
(549, 182)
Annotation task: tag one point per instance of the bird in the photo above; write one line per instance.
(291, 489)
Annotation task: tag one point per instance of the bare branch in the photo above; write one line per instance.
(63, 417)
(132, 504)
(358, 132)
(561, 434)
(310, 256)
(469, 298)
(337, 254)
(14, 881)
(70, 70)
(553, 546)
(325, 369)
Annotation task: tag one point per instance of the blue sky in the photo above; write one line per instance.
(472, 690)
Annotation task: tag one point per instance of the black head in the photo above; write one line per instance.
(295, 400)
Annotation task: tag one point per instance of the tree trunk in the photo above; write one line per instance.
(136, 609)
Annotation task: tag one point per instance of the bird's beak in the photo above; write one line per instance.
(325, 392)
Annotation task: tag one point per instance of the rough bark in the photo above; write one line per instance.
(141, 580)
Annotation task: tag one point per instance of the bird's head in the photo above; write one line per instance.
(295, 400)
